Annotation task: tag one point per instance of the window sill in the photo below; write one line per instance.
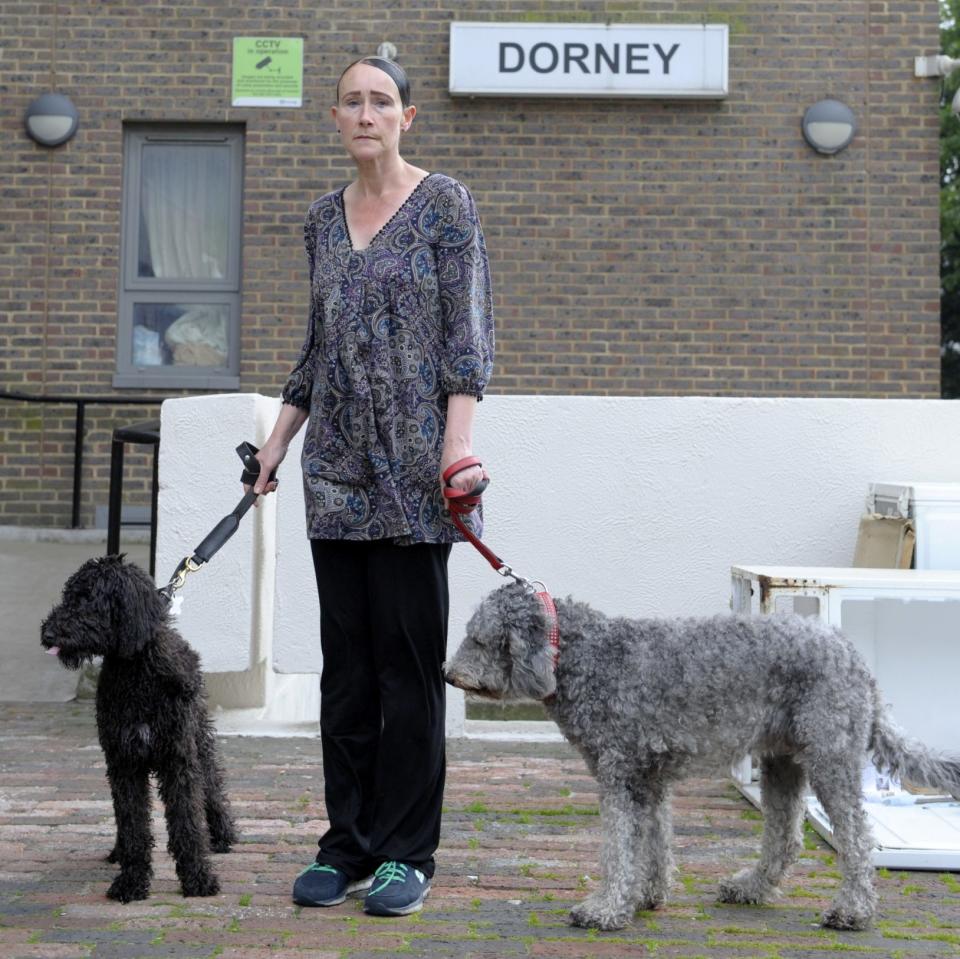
(177, 381)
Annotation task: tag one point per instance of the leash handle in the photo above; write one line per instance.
(251, 465)
(461, 502)
(461, 465)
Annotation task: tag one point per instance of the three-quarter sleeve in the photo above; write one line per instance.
(466, 300)
(298, 389)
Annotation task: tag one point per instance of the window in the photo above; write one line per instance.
(179, 321)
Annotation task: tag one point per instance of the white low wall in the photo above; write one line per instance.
(636, 505)
(228, 605)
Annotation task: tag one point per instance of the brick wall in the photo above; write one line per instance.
(637, 247)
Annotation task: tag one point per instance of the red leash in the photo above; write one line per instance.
(462, 502)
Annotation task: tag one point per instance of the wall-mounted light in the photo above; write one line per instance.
(938, 66)
(51, 119)
(829, 126)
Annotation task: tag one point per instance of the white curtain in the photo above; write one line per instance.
(184, 210)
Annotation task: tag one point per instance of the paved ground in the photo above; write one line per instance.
(519, 847)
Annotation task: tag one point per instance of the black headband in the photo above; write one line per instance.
(391, 69)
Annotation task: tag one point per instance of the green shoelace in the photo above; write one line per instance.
(389, 872)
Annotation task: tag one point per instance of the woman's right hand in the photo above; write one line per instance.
(269, 458)
(289, 421)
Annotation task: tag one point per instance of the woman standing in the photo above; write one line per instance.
(398, 352)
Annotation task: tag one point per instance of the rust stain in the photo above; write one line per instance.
(764, 583)
(768, 584)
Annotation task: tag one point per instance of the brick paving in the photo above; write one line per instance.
(520, 845)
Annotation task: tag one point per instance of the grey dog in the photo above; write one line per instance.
(648, 702)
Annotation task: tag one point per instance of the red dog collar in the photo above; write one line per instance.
(546, 600)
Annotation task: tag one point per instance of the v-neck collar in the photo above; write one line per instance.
(393, 216)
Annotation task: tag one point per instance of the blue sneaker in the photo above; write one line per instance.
(397, 890)
(323, 885)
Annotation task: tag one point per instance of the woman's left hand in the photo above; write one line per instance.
(458, 442)
(466, 479)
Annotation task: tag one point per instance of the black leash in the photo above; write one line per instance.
(220, 533)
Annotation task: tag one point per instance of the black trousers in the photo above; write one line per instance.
(383, 631)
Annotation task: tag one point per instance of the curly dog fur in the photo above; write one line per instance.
(151, 718)
(649, 701)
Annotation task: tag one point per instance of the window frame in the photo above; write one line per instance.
(135, 289)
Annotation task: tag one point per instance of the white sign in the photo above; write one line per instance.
(588, 60)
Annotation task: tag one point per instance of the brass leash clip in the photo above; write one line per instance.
(187, 565)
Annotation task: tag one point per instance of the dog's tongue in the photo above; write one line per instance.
(53, 650)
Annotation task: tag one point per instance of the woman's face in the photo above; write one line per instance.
(369, 114)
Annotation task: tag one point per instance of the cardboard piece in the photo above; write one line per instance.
(885, 542)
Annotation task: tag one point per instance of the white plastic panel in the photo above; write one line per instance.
(935, 510)
(913, 648)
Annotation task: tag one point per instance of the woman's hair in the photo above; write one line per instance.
(391, 69)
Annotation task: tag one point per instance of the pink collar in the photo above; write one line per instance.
(546, 600)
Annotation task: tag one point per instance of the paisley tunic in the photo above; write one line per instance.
(393, 330)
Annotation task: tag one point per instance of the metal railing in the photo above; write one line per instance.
(144, 433)
(81, 403)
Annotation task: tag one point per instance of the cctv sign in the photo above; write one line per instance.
(588, 60)
(267, 72)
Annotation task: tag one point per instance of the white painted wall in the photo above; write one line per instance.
(199, 476)
(636, 505)
(228, 604)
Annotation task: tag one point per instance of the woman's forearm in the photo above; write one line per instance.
(458, 436)
(288, 423)
(458, 439)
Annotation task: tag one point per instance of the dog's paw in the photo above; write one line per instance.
(647, 902)
(127, 888)
(846, 919)
(202, 884)
(595, 914)
(221, 841)
(746, 889)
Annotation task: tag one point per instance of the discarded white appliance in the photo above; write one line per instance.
(904, 624)
(935, 511)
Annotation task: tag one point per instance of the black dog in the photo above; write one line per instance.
(151, 718)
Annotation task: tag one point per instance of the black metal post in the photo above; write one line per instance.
(116, 495)
(137, 433)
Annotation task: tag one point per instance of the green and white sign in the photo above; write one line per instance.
(267, 72)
